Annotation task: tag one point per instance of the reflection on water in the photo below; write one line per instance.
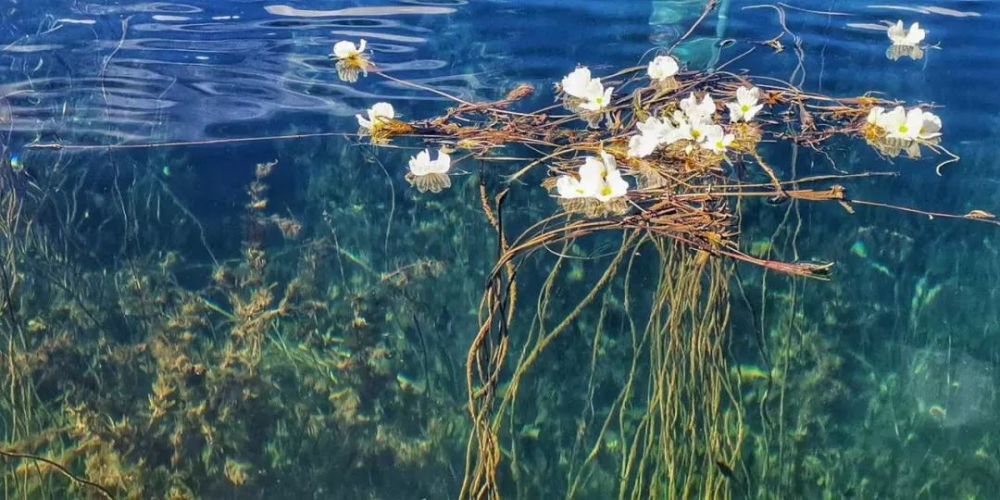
(284, 10)
(155, 71)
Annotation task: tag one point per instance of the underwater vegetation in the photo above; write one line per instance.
(675, 425)
(135, 386)
(602, 296)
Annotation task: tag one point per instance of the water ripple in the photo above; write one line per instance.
(182, 70)
(285, 10)
(185, 70)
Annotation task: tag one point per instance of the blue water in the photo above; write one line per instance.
(180, 79)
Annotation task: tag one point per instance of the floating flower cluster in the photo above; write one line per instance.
(597, 188)
(599, 179)
(429, 175)
(693, 126)
(671, 135)
(351, 60)
(905, 42)
(901, 130)
(380, 123)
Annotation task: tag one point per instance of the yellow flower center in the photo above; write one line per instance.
(745, 108)
(903, 129)
(606, 191)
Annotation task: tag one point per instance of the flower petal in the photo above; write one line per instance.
(735, 112)
(592, 168)
(344, 49)
(752, 112)
(875, 114)
(896, 32)
(662, 67)
(568, 187)
(575, 83)
(443, 163)
(931, 126)
(383, 110)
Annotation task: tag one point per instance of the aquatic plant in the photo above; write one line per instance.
(678, 420)
(130, 385)
(304, 359)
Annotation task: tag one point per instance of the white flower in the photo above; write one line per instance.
(599, 178)
(652, 133)
(662, 67)
(380, 112)
(596, 168)
(429, 175)
(421, 164)
(698, 112)
(682, 128)
(887, 120)
(701, 131)
(875, 115)
(894, 124)
(603, 174)
(614, 186)
(653, 127)
(930, 126)
(901, 124)
(716, 140)
(911, 127)
(570, 187)
(579, 84)
(346, 50)
(609, 163)
(598, 99)
(590, 91)
(745, 107)
(642, 145)
(678, 128)
(904, 37)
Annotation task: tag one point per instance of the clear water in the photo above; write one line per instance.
(895, 359)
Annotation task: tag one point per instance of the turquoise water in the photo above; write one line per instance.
(131, 131)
